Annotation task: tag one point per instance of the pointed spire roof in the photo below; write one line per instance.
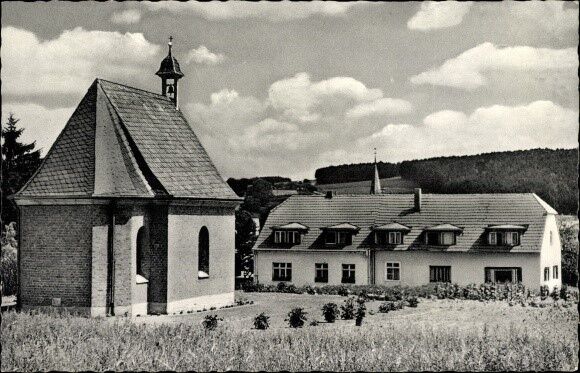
(376, 182)
(123, 141)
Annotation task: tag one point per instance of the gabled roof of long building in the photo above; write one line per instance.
(123, 141)
(474, 213)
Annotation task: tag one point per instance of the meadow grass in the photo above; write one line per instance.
(487, 337)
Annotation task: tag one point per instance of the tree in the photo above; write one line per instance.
(19, 161)
(245, 239)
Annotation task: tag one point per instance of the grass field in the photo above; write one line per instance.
(437, 335)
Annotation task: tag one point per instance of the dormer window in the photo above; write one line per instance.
(442, 235)
(289, 234)
(337, 238)
(339, 234)
(390, 234)
(503, 238)
(504, 235)
(287, 237)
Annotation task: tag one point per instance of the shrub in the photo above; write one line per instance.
(385, 307)
(555, 294)
(413, 302)
(360, 311)
(297, 318)
(211, 322)
(261, 322)
(9, 265)
(347, 309)
(330, 312)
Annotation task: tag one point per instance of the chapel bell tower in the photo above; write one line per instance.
(170, 73)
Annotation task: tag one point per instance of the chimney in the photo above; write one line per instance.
(418, 199)
(328, 194)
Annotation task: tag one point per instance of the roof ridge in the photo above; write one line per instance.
(134, 88)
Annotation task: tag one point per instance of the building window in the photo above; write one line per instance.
(512, 238)
(321, 272)
(338, 238)
(393, 271)
(287, 237)
(551, 238)
(348, 274)
(503, 274)
(555, 272)
(203, 253)
(546, 273)
(440, 238)
(141, 247)
(504, 238)
(395, 238)
(439, 274)
(281, 271)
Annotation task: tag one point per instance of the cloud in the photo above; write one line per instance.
(127, 17)
(300, 98)
(299, 119)
(203, 56)
(466, 71)
(70, 62)
(276, 12)
(381, 106)
(437, 15)
(36, 120)
(486, 129)
(554, 17)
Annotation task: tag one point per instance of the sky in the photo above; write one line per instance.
(286, 88)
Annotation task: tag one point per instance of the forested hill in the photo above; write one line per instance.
(552, 174)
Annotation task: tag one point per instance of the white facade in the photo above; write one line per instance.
(414, 265)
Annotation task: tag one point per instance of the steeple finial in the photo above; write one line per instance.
(376, 181)
(170, 44)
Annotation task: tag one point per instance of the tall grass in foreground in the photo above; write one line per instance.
(44, 342)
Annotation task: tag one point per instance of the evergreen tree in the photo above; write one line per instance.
(19, 161)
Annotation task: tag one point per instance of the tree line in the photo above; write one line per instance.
(550, 173)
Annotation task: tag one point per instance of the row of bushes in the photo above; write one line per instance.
(487, 291)
(330, 311)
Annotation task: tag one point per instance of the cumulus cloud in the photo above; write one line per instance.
(296, 121)
(486, 129)
(70, 62)
(554, 17)
(437, 15)
(276, 12)
(203, 56)
(466, 71)
(381, 106)
(128, 16)
(299, 98)
(37, 119)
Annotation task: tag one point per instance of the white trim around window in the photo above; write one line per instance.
(393, 271)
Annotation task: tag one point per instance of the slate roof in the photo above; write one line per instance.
(291, 226)
(159, 154)
(394, 226)
(472, 212)
(342, 227)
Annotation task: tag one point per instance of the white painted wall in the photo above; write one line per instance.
(185, 290)
(551, 254)
(466, 268)
(303, 265)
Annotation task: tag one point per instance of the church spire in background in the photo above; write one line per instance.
(376, 182)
